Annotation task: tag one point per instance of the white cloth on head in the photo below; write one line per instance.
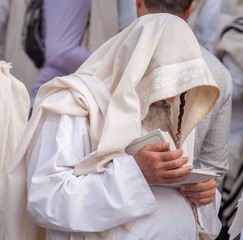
(127, 91)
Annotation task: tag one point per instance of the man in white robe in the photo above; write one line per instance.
(81, 183)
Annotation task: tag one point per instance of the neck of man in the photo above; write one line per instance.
(142, 10)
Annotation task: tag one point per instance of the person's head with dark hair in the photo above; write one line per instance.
(176, 7)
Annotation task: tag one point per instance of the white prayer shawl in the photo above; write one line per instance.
(14, 109)
(156, 57)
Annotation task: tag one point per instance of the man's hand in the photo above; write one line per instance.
(160, 165)
(200, 193)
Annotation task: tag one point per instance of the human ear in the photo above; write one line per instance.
(138, 3)
(188, 12)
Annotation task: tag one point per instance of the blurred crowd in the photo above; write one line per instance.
(218, 27)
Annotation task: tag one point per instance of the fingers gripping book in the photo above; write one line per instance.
(195, 176)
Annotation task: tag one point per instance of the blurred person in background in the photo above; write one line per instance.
(14, 110)
(227, 46)
(4, 14)
(22, 67)
(204, 21)
(212, 133)
(229, 49)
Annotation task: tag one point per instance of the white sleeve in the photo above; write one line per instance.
(210, 225)
(236, 228)
(92, 203)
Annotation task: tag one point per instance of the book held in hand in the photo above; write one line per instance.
(156, 136)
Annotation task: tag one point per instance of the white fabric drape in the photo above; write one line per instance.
(14, 109)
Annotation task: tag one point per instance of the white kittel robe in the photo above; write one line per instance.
(89, 202)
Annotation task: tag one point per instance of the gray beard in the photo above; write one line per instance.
(158, 117)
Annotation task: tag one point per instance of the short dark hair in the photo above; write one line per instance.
(176, 7)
